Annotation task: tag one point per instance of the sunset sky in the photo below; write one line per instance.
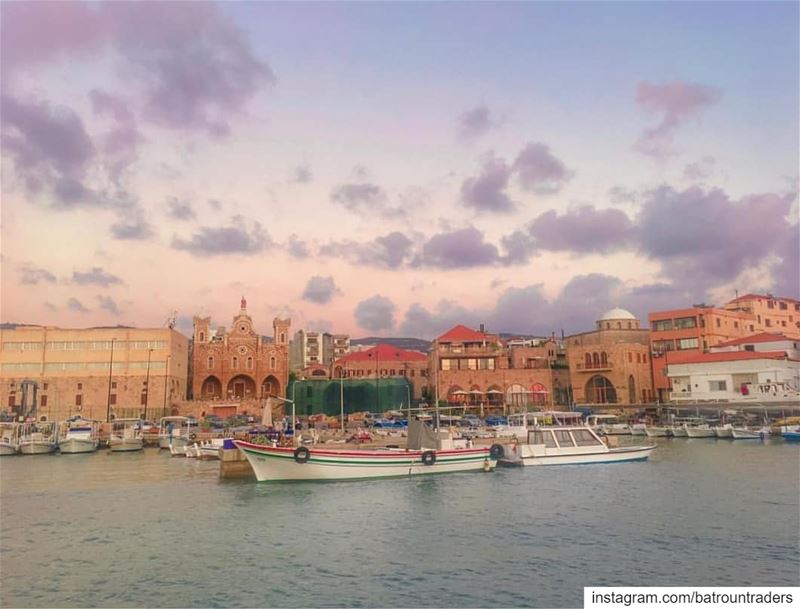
(395, 169)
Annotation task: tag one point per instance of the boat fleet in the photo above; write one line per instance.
(688, 427)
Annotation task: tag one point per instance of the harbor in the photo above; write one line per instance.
(106, 529)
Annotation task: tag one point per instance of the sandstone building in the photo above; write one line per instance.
(63, 372)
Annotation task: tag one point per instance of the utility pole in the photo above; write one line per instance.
(110, 368)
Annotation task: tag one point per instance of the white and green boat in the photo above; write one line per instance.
(273, 463)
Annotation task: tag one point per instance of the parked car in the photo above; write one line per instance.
(495, 421)
(471, 420)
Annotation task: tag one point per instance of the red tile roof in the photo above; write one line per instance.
(732, 356)
(461, 333)
(761, 337)
(382, 353)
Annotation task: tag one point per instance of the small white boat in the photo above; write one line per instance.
(176, 431)
(9, 437)
(701, 431)
(724, 431)
(126, 436)
(638, 429)
(179, 450)
(656, 431)
(426, 454)
(38, 438)
(679, 431)
(566, 445)
(743, 433)
(210, 448)
(78, 435)
(608, 424)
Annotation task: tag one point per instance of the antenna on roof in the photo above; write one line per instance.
(172, 320)
(737, 293)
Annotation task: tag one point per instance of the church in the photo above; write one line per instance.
(239, 364)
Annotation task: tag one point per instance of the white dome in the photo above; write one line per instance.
(617, 314)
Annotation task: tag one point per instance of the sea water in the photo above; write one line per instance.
(144, 529)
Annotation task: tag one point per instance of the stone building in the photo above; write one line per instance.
(476, 368)
(309, 349)
(239, 364)
(63, 372)
(611, 364)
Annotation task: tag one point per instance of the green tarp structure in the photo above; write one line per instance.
(360, 395)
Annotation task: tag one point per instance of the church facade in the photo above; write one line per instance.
(239, 364)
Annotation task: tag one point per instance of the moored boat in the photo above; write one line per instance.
(608, 424)
(38, 438)
(790, 433)
(126, 436)
(210, 449)
(9, 437)
(78, 435)
(175, 432)
(724, 431)
(656, 431)
(679, 431)
(701, 431)
(638, 429)
(743, 433)
(566, 445)
(425, 455)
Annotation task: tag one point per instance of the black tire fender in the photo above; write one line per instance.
(497, 451)
(428, 457)
(192, 436)
(301, 454)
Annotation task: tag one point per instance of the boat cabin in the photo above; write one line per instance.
(572, 437)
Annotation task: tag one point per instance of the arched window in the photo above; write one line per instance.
(588, 360)
(644, 358)
(283, 337)
(202, 336)
(250, 363)
(210, 363)
(604, 358)
(272, 362)
(235, 362)
(595, 359)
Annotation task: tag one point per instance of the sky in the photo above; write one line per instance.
(394, 169)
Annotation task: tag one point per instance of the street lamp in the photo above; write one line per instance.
(147, 384)
(110, 368)
(341, 395)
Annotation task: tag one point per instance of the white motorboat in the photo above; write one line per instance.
(126, 436)
(38, 438)
(638, 429)
(566, 445)
(78, 435)
(743, 433)
(701, 431)
(656, 431)
(519, 423)
(679, 431)
(724, 431)
(9, 437)
(210, 448)
(176, 431)
(426, 454)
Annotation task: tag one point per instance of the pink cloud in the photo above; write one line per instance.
(676, 102)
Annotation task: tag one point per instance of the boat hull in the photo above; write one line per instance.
(638, 430)
(749, 434)
(36, 448)
(789, 436)
(680, 432)
(176, 441)
(279, 463)
(72, 446)
(698, 432)
(656, 432)
(8, 449)
(613, 455)
(125, 445)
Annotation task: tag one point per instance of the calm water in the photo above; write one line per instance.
(126, 530)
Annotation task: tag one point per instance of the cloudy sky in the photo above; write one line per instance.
(395, 169)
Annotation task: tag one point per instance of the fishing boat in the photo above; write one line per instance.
(724, 431)
(175, 431)
(701, 431)
(608, 424)
(638, 429)
(126, 436)
(744, 433)
(78, 435)
(9, 437)
(656, 431)
(210, 448)
(790, 433)
(425, 454)
(566, 445)
(679, 431)
(39, 438)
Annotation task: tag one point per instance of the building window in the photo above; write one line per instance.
(718, 323)
(663, 345)
(11, 400)
(80, 386)
(235, 363)
(283, 337)
(44, 385)
(588, 360)
(78, 400)
(662, 325)
(272, 362)
(685, 322)
(638, 358)
(688, 343)
(644, 358)
(250, 363)
(113, 384)
(717, 385)
(603, 359)
(630, 358)
(210, 363)
(768, 322)
(736, 325)
(770, 304)
(44, 400)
